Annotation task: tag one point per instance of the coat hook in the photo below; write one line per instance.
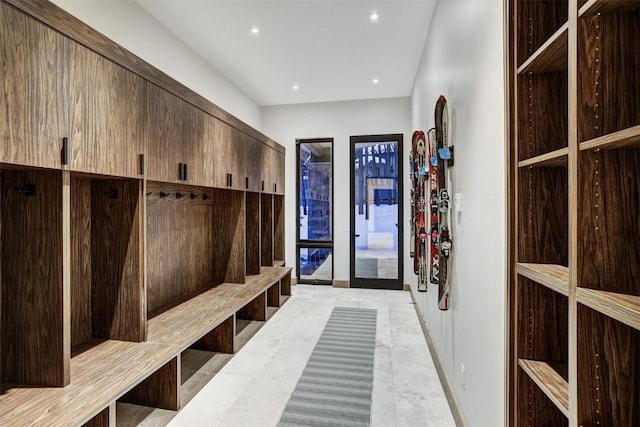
(179, 195)
(149, 193)
(193, 196)
(205, 197)
(112, 194)
(164, 195)
(28, 190)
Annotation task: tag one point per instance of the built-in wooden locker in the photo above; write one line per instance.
(266, 229)
(34, 91)
(107, 115)
(252, 231)
(229, 162)
(279, 170)
(254, 162)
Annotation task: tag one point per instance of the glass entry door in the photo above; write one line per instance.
(376, 211)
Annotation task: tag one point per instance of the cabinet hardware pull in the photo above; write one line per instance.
(141, 164)
(262, 185)
(180, 172)
(246, 183)
(275, 187)
(185, 172)
(65, 151)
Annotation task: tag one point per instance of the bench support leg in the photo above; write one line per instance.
(255, 310)
(160, 390)
(273, 295)
(221, 339)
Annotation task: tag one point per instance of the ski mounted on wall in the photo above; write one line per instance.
(444, 160)
(420, 169)
(434, 266)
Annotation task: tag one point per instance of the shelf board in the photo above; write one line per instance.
(554, 158)
(551, 56)
(624, 138)
(593, 7)
(549, 381)
(621, 307)
(278, 263)
(554, 277)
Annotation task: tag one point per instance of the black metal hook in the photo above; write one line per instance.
(112, 194)
(193, 196)
(164, 195)
(179, 195)
(28, 190)
(149, 193)
(205, 197)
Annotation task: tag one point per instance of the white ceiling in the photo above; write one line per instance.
(327, 47)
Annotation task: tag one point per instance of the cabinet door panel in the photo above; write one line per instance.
(280, 171)
(34, 91)
(236, 157)
(253, 166)
(228, 155)
(108, 109)
(193, 147)
(164, 123)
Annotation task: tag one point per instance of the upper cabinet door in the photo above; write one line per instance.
(280, 171)
(254, 152)
(34, 95)
(228, 155)
(107, 115)
(196, 153)
(164, 141)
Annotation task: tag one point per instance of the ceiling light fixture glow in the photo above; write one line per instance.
(374, 16)
(295, 87)
(375, 81)
(254, 30)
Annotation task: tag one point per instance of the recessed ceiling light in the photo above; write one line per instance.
(254, 30)
(295, 87)
(374, 16)
(375, 81)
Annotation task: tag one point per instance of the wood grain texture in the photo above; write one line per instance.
(608, 376)
(266, 230)
(34, 91)
(555, 277)
(53, 16)
(593, 7)
(273, 295)
(116, 266)
(221, 339)
(280, 169)
(229, 156)
(549, 381)
(543, 216)
(610, 214)
(254, 163)
(253, 233)
(160, 390)
(285, 284)
(554, 158)
(534, 407)
(229, 236)
(255, 310)
(35, 346)
(105, 418)
(621, 307)
(551, 56)
(278, 227)
(537, 21)
(107, 115)
(542, 113)
(81, 313)
(180, 244)
(621, 139)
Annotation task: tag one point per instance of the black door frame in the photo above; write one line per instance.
(320, 244)
(395, 284)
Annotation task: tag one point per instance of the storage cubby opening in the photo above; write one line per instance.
(609, 251)
(278, 228)
(543, 317)
(195, 241)
(537, 21)
(608, 73)
(266, 230)
(542, 113)
(33, 346)
(253, 233)
(543, 228)
(535, 408)
(106, 260)
(608, 371)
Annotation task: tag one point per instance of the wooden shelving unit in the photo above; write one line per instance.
(575, 201)
(137, 220)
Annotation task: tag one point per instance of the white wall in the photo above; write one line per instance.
(132, 27)
(463, 59)
(338, 120)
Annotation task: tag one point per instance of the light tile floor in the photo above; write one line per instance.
(253, 388)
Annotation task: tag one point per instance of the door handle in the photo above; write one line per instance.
(356, 235)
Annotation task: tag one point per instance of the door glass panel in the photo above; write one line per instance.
(316, 264)
(316, 187)
(376, 210)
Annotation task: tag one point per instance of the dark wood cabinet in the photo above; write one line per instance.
(107, 115)
(229, 157)
(34, 91)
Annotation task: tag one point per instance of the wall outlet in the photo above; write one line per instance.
(463, 371)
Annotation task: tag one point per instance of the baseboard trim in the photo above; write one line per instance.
(407, 288)
(341, 284)
(294, 281)
(454, 405)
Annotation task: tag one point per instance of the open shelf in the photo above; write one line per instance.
(594, 7)
(552, 384)
(253, 233)
(608, 371)
(551, 56)
(555, 277)
(266, 230)
(541, 19)
(621, 307)
(621, 139)
(555, 158)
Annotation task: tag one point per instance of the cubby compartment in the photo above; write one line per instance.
(107, 286)
(542, 113)
(266, 230)
(253, 217)
(195, 241)
(278, 229)
(542, 352)
(543, 215)
(608, 371)
(609, 75)
(537, 21)
(34, 209)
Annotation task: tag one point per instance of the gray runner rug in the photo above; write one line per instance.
(335, 386)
